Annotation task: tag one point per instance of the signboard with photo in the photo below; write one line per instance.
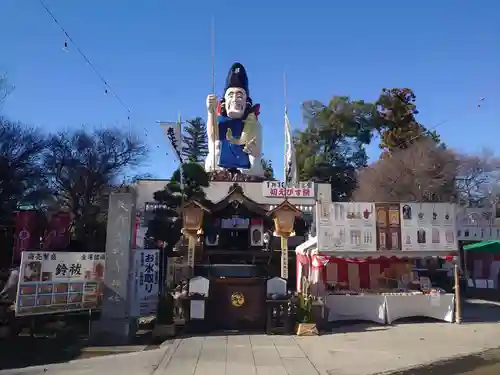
(428, 227)
(281, 189)
(371, 227)
(347, 226)
(477, 224)
(145, 289)
(55, 282)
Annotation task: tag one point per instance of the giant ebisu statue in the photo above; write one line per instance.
(234, 131)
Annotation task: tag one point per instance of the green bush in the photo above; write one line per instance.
(304, 309)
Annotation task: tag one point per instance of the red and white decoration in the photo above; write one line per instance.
(355, 273)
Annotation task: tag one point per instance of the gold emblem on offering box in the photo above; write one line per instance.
(237, 299)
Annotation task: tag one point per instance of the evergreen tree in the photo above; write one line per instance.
(195, 147)
(398, 126)
(167, 222)
(267, 165)
(331, 148)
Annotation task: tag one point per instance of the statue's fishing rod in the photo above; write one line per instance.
(215, 132)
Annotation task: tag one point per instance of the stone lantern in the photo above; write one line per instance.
(192, 219)
(284, 219)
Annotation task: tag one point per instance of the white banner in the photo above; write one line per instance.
(173, 131)
(55, 282)
(281, 189)
(146, 282)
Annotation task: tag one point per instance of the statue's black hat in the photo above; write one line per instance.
(237, 77)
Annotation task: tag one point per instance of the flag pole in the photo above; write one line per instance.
(285, 160)
(284, 90)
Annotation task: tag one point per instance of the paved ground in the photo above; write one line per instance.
(139, 363)
(370, 350)
(359, 349)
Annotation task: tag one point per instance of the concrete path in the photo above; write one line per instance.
(139, 363)
(239, 354)
(358, 349)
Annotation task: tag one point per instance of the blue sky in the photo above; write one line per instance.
(156, 55)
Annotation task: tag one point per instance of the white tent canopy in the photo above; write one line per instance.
(310, 247)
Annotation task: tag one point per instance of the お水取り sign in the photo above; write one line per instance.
(146, 268)
(281, 189)
(55, 282)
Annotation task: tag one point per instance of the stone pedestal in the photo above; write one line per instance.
(116, 325)
(109, 331)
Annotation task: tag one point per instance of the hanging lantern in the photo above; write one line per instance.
(192, 215)
(284, 218)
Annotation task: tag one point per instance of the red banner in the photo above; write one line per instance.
(26, 222)
(135, 231)
(57, 235)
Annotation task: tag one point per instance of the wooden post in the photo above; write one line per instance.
(284, 258)
(458, 304)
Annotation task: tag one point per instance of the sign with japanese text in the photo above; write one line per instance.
(375, 227)
(121, 220)
(55, 282)
(146, 281)
(281, 189)
(428, 227)
(284, 263)
(477, 224)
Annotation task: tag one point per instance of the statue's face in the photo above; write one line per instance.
(236, 101)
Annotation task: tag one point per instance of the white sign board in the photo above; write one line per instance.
(477, 224)
(371, 227)
(428, 227)
(55, 282)
(146, 282)
(281, 189)
(347, 226)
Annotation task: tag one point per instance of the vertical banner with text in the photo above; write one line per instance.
(284, 258)
(146, 282)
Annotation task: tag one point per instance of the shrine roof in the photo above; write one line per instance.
(236, 194)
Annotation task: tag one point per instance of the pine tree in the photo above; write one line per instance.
(398, 126)
(195, 147)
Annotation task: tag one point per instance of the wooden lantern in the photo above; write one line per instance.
(284, 218)
(192, 215)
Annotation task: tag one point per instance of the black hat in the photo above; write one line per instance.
(237, 77)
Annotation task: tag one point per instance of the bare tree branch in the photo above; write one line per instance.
(422, 172)
(478, 178)
(84, 167)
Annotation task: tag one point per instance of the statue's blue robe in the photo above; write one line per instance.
(231, 155)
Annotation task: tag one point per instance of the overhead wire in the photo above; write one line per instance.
(434, 127)
(108, 88)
